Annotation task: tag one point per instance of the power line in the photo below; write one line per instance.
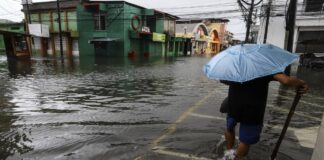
(199, 6)
(248, 16)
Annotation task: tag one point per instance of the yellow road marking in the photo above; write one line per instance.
(184, 115)
(173, 126)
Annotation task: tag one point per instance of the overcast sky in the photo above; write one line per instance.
(10, 9)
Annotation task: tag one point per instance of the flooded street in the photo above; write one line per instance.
(150, 109)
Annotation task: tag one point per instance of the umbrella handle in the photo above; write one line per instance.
(284, 129)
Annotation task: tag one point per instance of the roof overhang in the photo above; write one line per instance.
(13, 33)
(103, 40)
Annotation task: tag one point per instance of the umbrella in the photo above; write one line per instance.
(245, 62)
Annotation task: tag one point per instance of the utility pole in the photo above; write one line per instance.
(60, 28)
(249, 22)
(267, 22)
(30, 41)
(290, 28)
(28, 13)
(291, 24)
(248, 18)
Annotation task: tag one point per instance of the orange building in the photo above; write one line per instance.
(207, 35)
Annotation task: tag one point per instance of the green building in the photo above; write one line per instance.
(10, 26)
(108, 28)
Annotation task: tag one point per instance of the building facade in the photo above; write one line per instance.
(207, 35)
(9, 26)
(309, 27)
(217, 34)
(104, 28)
(110, 28)
(14, 42)
(44, 26)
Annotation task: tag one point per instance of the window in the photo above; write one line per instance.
(314, 5)
(99, 21)
(151, 23)
(15, 28)
(20, 44)
(310, 42)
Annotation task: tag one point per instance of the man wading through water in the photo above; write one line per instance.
(246, 105)
(248, 69)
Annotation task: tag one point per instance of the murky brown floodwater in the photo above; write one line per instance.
(114, 109)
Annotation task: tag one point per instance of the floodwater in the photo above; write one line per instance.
(99, 108)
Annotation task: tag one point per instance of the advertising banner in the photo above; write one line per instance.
(158, 37)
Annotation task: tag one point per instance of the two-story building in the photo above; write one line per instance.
(120, 28)
(309, 27)
(217, 34)
(207, 35)
(108, 27)
(44, 26)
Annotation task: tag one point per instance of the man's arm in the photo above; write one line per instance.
(300, 85)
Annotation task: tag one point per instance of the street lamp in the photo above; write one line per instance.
(185, 31)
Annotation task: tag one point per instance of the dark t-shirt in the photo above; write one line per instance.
(247, 101)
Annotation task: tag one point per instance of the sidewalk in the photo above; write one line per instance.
(318, 153)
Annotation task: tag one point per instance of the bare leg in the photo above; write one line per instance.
(242, 150)
(230, 138)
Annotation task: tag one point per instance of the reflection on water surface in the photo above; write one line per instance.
(98, 108)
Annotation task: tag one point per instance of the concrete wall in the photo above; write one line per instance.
(276, 31)
(132, 43)
(318, 153)
(85, 31)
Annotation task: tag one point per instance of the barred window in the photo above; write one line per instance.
(99, 21)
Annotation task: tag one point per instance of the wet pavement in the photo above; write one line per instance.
(97, 108)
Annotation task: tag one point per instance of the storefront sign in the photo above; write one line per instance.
(158, 37)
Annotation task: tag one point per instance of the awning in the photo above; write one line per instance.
(13, 33)
(103, 40)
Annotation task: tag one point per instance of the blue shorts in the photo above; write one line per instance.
(249, 133)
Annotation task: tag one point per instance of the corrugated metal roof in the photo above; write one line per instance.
(117, 1)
